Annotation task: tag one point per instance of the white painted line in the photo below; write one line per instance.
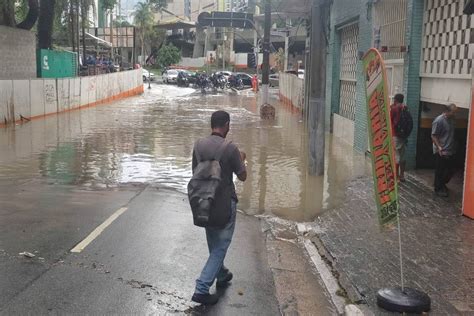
(328, 278)
(83, 244)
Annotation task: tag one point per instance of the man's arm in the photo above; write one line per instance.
(238, 165)
(435, 131)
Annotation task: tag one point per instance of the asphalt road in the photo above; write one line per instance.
(146, 261)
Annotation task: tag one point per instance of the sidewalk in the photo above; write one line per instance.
(438, 247)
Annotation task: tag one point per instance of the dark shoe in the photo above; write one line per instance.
(225, 280)
(205, 299)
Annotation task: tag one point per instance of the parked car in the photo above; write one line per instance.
(226, 74)
(185, 78)
(246, 78)
(301, 73)
(274, 80)
(170, 76)
(148, 75)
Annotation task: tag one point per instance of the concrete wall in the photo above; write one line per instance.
(17, 53)
(20, 99)
(346, 12)
(192, 62)
(291, 90)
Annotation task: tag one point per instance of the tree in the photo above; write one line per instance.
(45, 24)
(86, 5)
(168, 55)
(23, 10)
(143, 19)
(157, 4)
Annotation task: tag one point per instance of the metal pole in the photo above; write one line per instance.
(266, 51)
(285, 63)
(317, 88)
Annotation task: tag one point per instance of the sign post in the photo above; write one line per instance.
(468, 195)
(397, 299)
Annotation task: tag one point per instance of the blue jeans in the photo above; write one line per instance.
(218, 241)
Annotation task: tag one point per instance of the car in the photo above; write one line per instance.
(301, 73)
(185, 78)
(246, 78)
(226, 74)
(148, 75)
(170, 76)
(274, 80)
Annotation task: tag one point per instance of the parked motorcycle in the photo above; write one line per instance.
(234, 83)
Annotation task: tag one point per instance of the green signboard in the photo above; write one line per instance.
(380, 135)
(56, 64)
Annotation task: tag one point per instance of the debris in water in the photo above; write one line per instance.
(27, 254)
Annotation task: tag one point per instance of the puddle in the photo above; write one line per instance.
(149, 139)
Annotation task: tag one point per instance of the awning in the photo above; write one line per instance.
(99, 40)
(175, 24)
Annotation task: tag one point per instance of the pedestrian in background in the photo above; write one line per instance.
(219, 226)
(444, 148)
(402, 125)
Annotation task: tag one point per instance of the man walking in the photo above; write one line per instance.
(219, 238)
(402, 124)
(444, 148)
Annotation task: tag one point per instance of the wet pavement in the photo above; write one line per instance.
(149, 139)
(437, 242)
(62, 176)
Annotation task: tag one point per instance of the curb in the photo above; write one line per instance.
(331, 283)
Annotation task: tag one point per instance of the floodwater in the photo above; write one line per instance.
(149, 139)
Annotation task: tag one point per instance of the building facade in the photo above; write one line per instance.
(428, 52)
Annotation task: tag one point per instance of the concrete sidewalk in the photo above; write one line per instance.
(438, 246)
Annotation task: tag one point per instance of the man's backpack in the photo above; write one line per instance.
(209, 194)
(405, 123)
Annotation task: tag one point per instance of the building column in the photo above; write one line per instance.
(365, 43)
(412, 80)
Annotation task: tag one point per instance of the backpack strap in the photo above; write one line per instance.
(220, 151)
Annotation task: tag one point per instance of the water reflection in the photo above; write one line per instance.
(149, 139)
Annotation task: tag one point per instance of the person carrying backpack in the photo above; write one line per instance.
(402, 125)
(213, 201)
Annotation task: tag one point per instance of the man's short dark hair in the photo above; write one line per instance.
(399, 98)
(219, 119)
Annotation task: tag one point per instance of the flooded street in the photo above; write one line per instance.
(149, 140)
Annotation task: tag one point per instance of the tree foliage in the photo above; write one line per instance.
(168, 55)
(25, 11)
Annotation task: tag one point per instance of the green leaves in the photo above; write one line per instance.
(168, 55)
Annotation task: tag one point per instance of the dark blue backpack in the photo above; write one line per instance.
(405, 123)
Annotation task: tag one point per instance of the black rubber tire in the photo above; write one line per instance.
(407, 301)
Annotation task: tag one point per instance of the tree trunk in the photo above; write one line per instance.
(45, 24)
(31, 17)
(72, 26)
(84, 18)
(142, 37)
(7, 13)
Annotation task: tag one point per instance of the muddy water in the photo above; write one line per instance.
(149, 139)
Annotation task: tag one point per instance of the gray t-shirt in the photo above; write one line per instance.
(444, 128)
(230, 161)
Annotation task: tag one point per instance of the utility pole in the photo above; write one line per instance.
(317, 86)
(266, 51)
(287, 40)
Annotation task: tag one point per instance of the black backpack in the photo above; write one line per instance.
(209, 195)
(405, 123)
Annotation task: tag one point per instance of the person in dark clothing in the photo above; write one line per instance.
(400, 143)
(219, 239)
(444, 149)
